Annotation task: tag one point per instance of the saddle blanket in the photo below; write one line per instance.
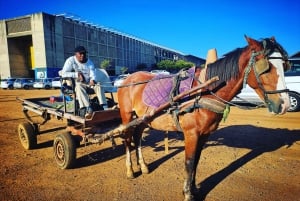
(157, 90)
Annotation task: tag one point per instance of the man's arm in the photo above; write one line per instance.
(68, 70)
(92, 73)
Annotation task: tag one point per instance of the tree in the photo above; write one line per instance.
(183, 64)
(166, 64)
(124, 69)
(105, 64)
(174, 65)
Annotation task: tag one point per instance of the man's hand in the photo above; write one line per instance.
(80, 77)
(92, 83)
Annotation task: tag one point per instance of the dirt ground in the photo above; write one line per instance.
(252, 156)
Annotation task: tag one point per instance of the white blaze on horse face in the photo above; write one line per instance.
(278, 64)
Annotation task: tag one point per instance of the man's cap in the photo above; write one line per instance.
(80, 49)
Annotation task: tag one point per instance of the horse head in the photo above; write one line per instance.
(265, 73)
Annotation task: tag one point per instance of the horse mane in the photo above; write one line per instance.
(226, 68)
(271, 45)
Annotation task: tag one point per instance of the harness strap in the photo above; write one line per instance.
(277, 91)
(182, 75)
(250, 65)
(176, 119)
(175, 88)
(199, 103)
(213, 105)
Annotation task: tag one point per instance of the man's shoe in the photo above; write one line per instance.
(89, 113)
(104, 106)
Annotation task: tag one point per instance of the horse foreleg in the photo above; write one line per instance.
(201, 141)
(187, 185)
(138, 147)
(193, 149)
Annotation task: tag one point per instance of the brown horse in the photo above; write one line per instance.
(260, 64)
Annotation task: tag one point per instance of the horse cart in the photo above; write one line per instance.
(78, 128)
(195, 111)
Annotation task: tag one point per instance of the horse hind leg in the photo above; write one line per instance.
(137, 137)
(128, 161)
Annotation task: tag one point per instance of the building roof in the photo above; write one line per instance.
(79, 19)
(296, 55)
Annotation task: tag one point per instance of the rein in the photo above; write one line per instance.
(146, 81)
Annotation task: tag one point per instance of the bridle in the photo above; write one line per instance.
(261, 66)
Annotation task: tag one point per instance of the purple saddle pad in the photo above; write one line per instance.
(158, 90)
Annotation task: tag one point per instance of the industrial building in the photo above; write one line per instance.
(42, 40)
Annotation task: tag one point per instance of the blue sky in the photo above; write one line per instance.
(190, 26)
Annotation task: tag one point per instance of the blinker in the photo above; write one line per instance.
(261, 66)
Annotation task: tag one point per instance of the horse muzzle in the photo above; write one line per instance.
(277, 101)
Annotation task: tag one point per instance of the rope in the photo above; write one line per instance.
(236, 105)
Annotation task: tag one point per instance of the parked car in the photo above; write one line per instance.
(8, 83)
(56, 83)
(164, 72)
(43, 83)
(23, 83)
(119, 80)
(292, 79)
(113, 78)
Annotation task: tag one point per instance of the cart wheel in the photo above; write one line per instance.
(77, 139)
(35, 128)
(64, 150)
(27, 135)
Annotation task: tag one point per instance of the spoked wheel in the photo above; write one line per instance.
(294, 102)
(64, 150)
(27, 135)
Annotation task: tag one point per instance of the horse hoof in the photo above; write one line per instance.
(189, 198)
(130, 175)
(145, 170)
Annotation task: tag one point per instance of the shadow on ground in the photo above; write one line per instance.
(257, 139)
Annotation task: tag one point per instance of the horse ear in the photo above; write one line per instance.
(251, 42)
(248, 39)
(273, 39)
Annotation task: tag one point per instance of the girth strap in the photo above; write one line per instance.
(198, 103)
(207, 103)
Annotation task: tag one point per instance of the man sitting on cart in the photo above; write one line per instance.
(82, 69)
